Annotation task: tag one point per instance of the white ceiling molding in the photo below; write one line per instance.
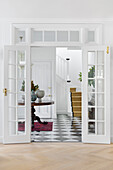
(56, 20)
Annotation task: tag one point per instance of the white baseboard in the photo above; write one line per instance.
(1, 139)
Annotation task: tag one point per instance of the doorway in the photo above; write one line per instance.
(96, 128)
(67, 123)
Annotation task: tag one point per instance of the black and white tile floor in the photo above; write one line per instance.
(65, 129)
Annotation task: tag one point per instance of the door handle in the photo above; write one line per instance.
(5, 91)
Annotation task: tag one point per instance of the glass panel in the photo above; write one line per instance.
(16, 91)
(74, 36)
(91, 36)
(100, 114)
(91, 71)
(91, 85)
(21, 97)
(91, 99)
(21, 57)
(12, 99)
(20, 36)
(100, 99)
(62, 35)
(21, 72)
(21, 86)
(12, 71)
(100, 71)
(12, 128)
(100, 85)
(21, 113)
(91, 127)
(91, 113)
(21, 127)
(91, 58)
(100, 128)
(100, 57)
(11, 57)
(36, 36)
(49, 35)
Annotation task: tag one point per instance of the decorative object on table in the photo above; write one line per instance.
(34, 88)
(40, 94)
(37, 126)
(33, 96)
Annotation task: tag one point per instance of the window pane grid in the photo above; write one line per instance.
(96, 114)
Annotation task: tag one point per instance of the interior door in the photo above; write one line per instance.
(96, 95)
(17, 97)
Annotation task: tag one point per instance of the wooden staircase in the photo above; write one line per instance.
(76, 102)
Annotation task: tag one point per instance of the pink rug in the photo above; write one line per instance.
(37, 127)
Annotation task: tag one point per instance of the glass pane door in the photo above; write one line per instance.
(96, 92)
(17, 100)
(96, 118)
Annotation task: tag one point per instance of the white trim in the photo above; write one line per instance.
(56, 20)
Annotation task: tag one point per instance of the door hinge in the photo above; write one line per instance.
(107, 49)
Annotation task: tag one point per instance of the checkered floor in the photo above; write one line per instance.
(65, 129)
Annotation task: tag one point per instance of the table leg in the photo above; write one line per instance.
(34, 117)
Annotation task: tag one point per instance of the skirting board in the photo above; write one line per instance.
(1, 139)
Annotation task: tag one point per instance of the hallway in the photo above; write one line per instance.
(65, 129)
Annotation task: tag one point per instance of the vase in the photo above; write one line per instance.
(40, 94)
(33, 96)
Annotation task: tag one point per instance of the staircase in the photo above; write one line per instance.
(76, 102)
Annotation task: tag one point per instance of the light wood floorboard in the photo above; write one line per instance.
(56, 156)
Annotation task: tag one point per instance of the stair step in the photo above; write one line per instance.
(72, 89)
(76, 94)
(76, 103)
(77, 108)
(77, 115)
(76, 98)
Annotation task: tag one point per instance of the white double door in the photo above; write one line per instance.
(96, 94)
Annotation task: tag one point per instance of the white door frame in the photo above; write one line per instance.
(82, 47)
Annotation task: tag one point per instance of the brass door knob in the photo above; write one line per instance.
(5, 91)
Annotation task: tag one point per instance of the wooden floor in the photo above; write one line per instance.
(56, 156)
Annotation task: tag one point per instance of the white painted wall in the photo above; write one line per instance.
(63, 88)
(43, 73)
(56, 9)
(75, 63)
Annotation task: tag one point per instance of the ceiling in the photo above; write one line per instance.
(74, 9)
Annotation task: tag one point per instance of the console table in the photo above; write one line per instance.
(33, 115)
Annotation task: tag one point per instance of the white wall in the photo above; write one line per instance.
(75, 63)
(56, 9)
(62, 87)
(43, 71)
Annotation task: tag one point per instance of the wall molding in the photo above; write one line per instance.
(56, 20)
